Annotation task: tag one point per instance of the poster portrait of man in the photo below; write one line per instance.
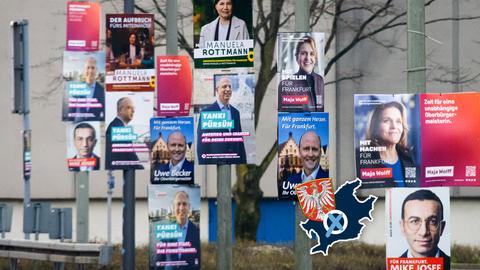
(172, 158)
(84, 96)
(225, 126)
(127, 130)
(83, 140)
(174, 217)
(418, 227)
(302, 150)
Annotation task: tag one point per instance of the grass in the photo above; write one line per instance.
(249, 255)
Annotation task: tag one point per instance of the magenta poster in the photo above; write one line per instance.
(174, 85)
(83, 26)
(420, 140)
(450, 139)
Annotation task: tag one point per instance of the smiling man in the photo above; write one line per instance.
(178, 168)
(422, 226)
(227, 152)
(188, 255)
(310, 152)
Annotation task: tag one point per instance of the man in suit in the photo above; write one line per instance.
(310, 151)
(189, 237)
(224, 152)
(422, 225)
(121, 160)
(95, 108)
(178, 169)
(84, 138)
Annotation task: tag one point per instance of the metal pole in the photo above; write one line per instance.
(111, 185)
(224, 217)
(172, 31)
(23, 65)
(128, 246)
(36, 226)
(2, 221)
(455, 46)
(303, 260)
(82, 204)
(416, 64)
(128, 6)
(62, 224)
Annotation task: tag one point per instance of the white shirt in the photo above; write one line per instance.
(310, 177)
(176, 168)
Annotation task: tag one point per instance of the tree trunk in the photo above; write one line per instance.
(247, 194)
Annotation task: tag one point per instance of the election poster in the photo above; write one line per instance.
(387, 146)
(174, 221)
(406, 140)
(172, 158)
(83, 26)
(174, 85)
(27, 154)
(84, 96)
(83, 146)
(418, 228)
(130, 52)
(128, 133)
(225, 130)
(300, 72)
(223, 33)
(450, 138)
(302, 150)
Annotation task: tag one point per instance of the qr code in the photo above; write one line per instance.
(471, 171)
(410, 172)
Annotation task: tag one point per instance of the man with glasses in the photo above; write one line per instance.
(422, 225)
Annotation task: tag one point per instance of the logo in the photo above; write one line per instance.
(250, 56)
(316, 198)
(335, 223)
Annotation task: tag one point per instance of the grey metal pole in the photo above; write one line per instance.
(416, 63)
(224, 217)
(111, 185)
(2, 221)
(303, 259)
(128, 6)
(82, 204)
(36, 227)
(128, 246)
(172, 29)
(455, 46)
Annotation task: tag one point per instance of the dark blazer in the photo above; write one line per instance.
(446, 258)
(97, 164)
(126, 51)
(317, 89)
(217, 148)
(186, 166)
(193, 236)
(99, 113)
(111, 156)
(405, 159)
(297, 177)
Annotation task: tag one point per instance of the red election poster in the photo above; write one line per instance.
(174, 85)
(83, 26)
(450, 139)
